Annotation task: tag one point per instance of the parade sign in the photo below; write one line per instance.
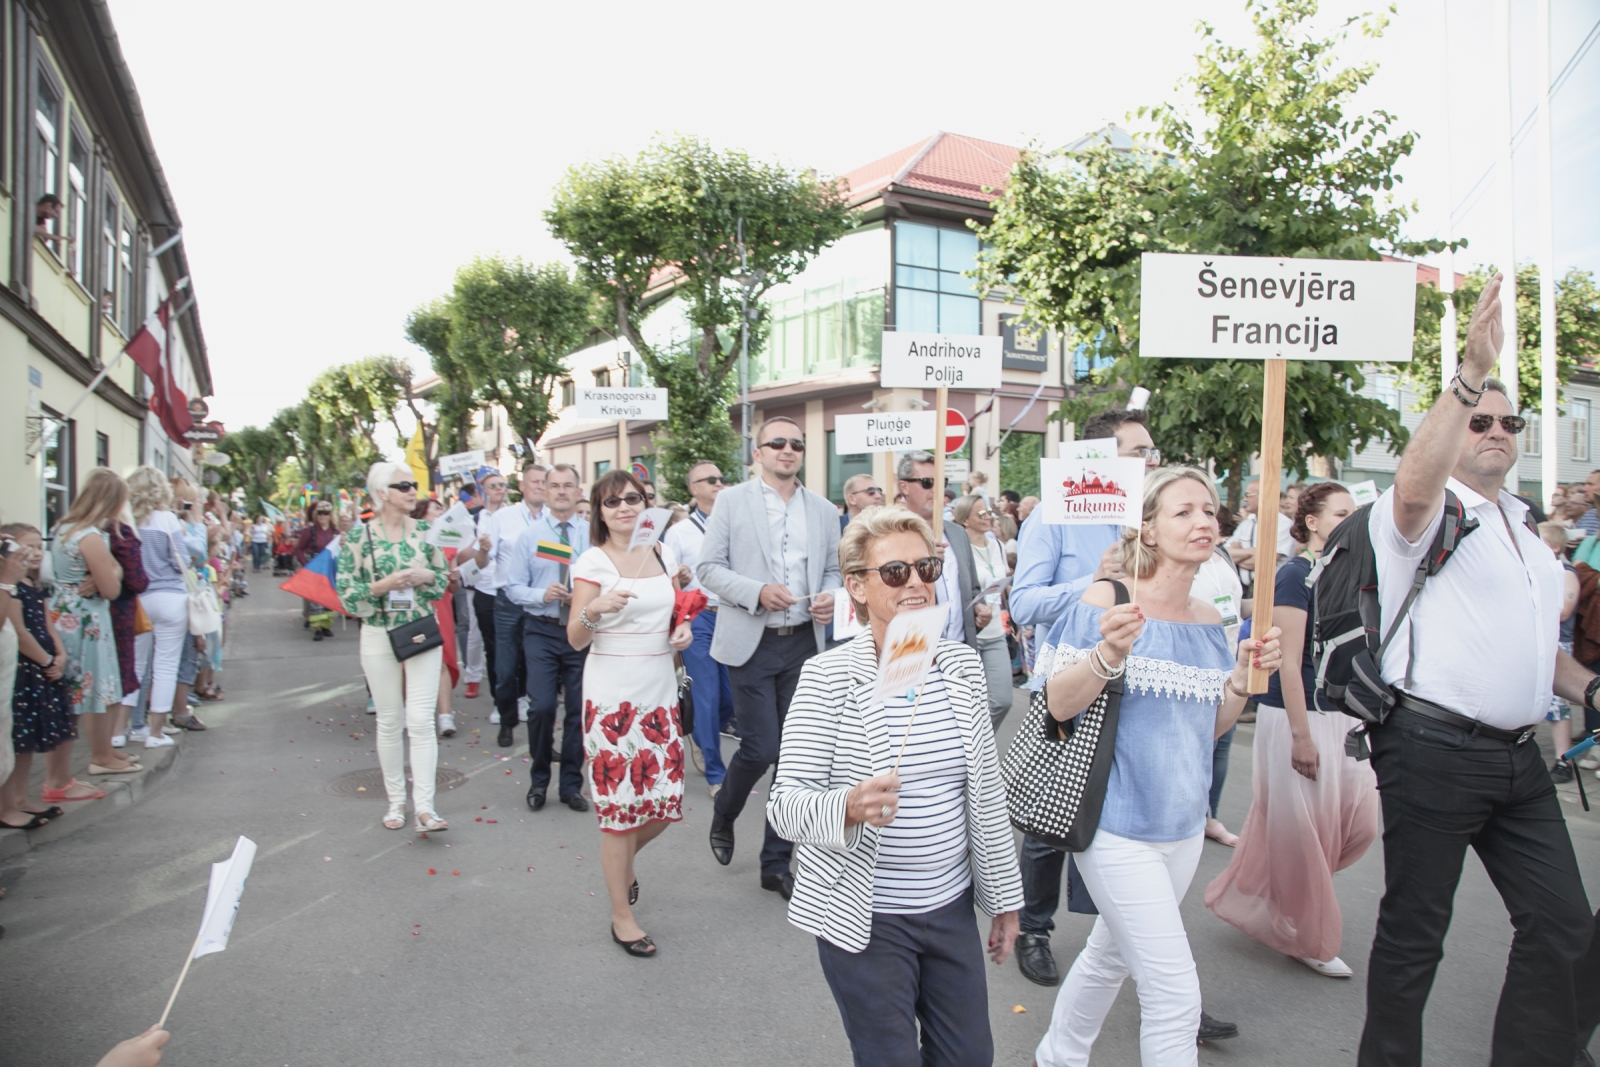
(932, 360)
(453, 529)
(1258, 307)
(616, 402)
(1364, 492)
(458, 464)
(1085, 490)
(882, 431)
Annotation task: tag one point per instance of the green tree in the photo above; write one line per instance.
(255, 455)
(429, 328)
(669, 221)
(511, 327)
(1577, 331)
(1267, 161)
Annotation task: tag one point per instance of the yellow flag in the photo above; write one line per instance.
(417, 460)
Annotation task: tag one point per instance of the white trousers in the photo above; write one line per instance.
(168, 610)
(406, 696)
(474, 671)
(1137, 886)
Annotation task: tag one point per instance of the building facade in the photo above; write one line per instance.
(78, 286)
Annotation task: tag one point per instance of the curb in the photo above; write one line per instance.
(122, 790)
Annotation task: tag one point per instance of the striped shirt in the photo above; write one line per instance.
(922, 855)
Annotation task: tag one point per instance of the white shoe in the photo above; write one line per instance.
(494, 718)
(1589, 763)
(119, 740)
(141, 734)
(1334, 968)
(447, 725)
(159, 742)
(171, 730)
(522, 709)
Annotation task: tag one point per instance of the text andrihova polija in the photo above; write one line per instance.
(948, 374)
(1296, 289)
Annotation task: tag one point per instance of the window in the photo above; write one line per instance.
(77, 203)
(47, 131)
(1087, 360)
(1528, 439)
(569, 394)
(102, 450)
(487, 422)
(600, 467)
(602, 378)
(842, 468)
(1579, 412)
(108, 259)
(126, 305)
(831, 317)
(56, 461)
(1386, 387)
(931, 294)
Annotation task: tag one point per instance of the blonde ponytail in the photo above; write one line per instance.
(1139, 559)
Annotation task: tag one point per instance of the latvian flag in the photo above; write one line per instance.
(554, 551)
(149, 348)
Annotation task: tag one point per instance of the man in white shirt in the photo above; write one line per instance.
(494, 488)
(498, 534)
(713, 695)
(958, 585)
(1242, 545)
(1473, 664)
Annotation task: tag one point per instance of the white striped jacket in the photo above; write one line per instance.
(835, 737)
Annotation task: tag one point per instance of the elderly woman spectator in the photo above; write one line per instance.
(389, 577)
(891, 864)
(976, 516)
(1182, 691)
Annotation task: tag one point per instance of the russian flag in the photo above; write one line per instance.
(317, 581)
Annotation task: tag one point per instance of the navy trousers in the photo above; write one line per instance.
(925, 969)
(507, 663)
(551, 664)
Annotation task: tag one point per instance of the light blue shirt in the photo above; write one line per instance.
(1055, 564)
(526, 577)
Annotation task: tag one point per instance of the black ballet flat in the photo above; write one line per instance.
(633, 893)
(644, 948)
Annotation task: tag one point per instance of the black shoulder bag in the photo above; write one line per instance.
(1056, 772)
(414, 638)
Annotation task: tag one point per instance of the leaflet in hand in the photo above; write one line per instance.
(907, 653)
(453, 529)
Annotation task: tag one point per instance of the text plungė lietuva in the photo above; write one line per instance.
(1293, 291)
(887, 433)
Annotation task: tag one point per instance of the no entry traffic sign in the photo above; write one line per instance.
(955, 431)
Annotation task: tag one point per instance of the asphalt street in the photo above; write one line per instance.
(489, 944)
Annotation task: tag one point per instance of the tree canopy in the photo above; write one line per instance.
(1262, 158)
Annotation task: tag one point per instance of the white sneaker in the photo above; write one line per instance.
(171, 730)
(522, 709)
(494, 718)
(119, 740)
(1589, 763)
(159, 742)
(141, 734)
(1334, 968)
(447, 724)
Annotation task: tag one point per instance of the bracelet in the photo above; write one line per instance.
(1589, 692)
(7, 587)
(1477, 394)
(1227, 684)
(587, 623)
(1110, 673)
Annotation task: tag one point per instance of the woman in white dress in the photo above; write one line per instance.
(622, 600)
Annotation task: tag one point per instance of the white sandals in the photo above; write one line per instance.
(396, 818)
(429, 822)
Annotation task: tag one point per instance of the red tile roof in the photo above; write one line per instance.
(946, 163)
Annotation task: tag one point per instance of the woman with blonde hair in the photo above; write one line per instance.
(1182, 688)
(165, 600)
(389, 577)
(87, 579)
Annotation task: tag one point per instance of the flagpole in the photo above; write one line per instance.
(181, 976)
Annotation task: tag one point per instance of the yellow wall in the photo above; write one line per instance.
(59, 299)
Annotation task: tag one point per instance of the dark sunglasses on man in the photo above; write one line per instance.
(711, 479)
(926, 483)
(1511, 424)
(778, 444)
(631, 499)
(895, 573)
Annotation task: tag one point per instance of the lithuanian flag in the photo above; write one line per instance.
(554, 551)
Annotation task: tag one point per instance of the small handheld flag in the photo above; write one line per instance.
(554, 551)
(222, 905)
(318, 580)
(651, 525)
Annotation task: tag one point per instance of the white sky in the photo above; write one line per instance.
(334, 163)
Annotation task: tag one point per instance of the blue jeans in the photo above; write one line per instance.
(713, 695)
(1219, 766)
(258, 554)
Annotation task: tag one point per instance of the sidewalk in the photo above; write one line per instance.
(121, 790)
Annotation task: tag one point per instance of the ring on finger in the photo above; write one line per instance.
(885, 811)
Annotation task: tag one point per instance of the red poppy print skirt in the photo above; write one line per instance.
(633, 741)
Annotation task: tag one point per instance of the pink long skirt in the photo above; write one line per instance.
(1279, 886)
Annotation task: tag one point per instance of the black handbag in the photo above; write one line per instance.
(685, 697)
(1056, 772)
(414, 638)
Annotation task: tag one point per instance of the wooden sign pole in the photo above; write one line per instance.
(1272, 401)
(941, 404)
(622, 444)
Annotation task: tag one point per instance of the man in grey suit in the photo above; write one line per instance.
(771, 555)
(959, 585)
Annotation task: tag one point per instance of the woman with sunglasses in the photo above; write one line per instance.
(976, 515)
(389, 577)
(1183, 688)
(314, 537)
(892, 861)
(622, 600)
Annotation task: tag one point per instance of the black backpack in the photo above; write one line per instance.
(1346, 648)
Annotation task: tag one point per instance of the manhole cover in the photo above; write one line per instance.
(368, 785)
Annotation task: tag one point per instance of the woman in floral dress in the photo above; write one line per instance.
(622, 601)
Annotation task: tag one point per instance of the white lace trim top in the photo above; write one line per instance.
(1157, 677)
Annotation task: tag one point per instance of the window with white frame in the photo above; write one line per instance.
(77, 207)
(108, 258)
(126, 308)
(47, 132)
(1387, 389)
(1578, 411)
(1528, 439)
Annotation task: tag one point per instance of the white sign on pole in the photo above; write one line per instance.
(460, 463)
(930, 360)
(956, 470)
(882, 431)
(616, 403)
(1082, 491)
(1094, 448)
(1363, 492)
(1259, 307)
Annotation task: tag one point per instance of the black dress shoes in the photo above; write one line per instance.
(1035, 960)
(535, 799)
(575, 801)
(1216, 1029)
(779, 883)
(508, 734)
(722, 839)
(644, 948)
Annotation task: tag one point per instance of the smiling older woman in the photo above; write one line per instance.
(892, 864)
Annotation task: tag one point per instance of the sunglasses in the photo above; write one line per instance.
(778, 444)
(895, 573)
(1511, 424)
(926, 483)
(633, 500)
(874, 491)
(403, 487)
(714, 479)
